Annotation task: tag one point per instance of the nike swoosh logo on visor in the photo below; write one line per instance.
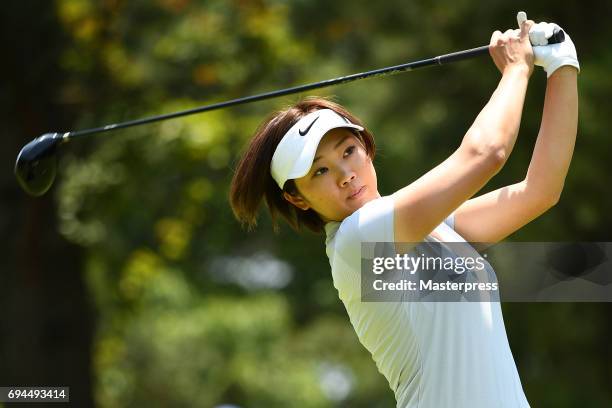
(305, 131)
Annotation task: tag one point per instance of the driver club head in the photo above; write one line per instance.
(36, 164)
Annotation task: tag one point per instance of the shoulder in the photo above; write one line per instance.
(373, 222)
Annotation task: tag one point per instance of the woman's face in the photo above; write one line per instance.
(341, 179)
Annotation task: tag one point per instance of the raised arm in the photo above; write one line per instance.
(422, 205)
(495, 215)
(555, 145)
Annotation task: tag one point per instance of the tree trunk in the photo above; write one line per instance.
(46, 323)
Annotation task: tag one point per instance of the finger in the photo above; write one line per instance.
(521, 17)
(525, 27)
(495, 37)
(511, 33)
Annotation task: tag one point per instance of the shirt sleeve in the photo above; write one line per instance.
(450, 220)
(371, 223)
(376, 221)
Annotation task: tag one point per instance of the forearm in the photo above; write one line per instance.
(555, 143)
(498, 123)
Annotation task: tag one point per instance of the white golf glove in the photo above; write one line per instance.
(553, 56)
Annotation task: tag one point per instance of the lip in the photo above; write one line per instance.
(357, 193)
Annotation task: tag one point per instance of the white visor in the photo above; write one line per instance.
(294, 154)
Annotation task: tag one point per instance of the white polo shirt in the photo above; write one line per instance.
(433, 354)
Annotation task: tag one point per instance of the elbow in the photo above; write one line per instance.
(497, 156)
(492, 155)
(540, 195)
(548, 200)
(553, 199)
(554, 194)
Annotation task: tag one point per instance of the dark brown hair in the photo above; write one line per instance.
(253, 181)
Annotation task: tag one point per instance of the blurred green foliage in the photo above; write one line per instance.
(193, 311)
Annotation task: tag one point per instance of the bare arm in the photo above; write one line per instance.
(495, 215)
(422, 205)
(555, 145)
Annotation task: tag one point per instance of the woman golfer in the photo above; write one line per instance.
(312, 164)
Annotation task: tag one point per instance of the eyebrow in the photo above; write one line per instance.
(335, 147)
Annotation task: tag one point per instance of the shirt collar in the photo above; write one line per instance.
(330, 230)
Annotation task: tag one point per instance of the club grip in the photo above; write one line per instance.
(557, 37)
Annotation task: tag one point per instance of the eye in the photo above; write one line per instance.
(320, 170)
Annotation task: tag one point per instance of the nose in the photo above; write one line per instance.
(346, 177)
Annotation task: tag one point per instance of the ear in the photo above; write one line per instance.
(296, 200)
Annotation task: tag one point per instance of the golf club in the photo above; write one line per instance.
(36, 164)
